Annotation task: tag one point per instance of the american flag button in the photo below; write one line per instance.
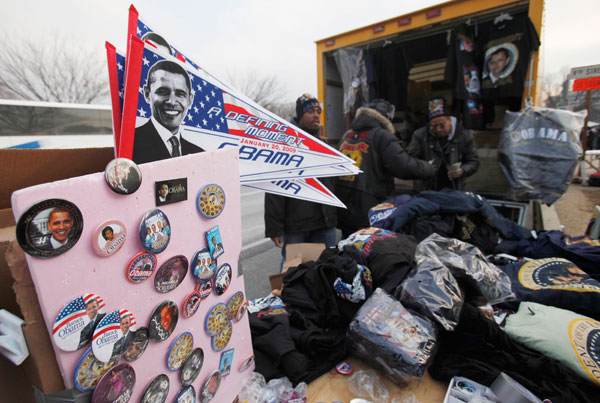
(75, 324)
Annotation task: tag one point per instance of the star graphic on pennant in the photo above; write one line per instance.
(212, 93)
(196, 110)
(139, 31)
(202, 104)
(189, 117)
(119, 66)
(207, 99)
(142, 112)
(222, 121)
(141, 90)
(146, 61)
(204, 122)
(199, 87)
(193, 92)
(217, 126)
(191, 77)
(219, 103)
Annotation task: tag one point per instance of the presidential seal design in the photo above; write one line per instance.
(157, 391)
(171, 273)
(180, 350)
(75, 324)
(141, 267)
(211, 201)
(585, 339)
(163, 321)
(49, 228)
(116, 385)
(556, 274)
(155, 231)
(113, 335)
(89, 371)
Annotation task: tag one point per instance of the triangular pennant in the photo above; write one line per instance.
(116, 67)
(239, 105)
(304, 189)
(212, 118)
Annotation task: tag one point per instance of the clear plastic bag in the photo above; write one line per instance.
(280, 390)
(467, 263)
(369, 385)
(431, 290)
(397, 341)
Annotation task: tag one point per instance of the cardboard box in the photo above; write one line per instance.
(296, 254)
(21, 169)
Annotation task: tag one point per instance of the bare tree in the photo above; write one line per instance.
(267, 91)
(56, 72)
(554, 88)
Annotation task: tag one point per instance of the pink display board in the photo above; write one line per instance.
(79, 270)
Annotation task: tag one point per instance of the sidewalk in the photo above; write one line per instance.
(575, 208)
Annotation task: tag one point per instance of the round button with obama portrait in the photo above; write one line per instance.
(49, 228)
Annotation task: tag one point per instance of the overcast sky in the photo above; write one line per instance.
(270, 37)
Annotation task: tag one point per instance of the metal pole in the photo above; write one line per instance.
(584, 137)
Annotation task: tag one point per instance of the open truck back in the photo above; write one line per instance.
(424, 37)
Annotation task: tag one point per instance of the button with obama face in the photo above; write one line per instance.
(76, 322)
(49, 228)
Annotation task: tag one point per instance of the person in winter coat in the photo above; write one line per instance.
(447, 146)
(377, 152)
(289, 220)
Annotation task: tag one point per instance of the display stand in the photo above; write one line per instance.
(78, 271)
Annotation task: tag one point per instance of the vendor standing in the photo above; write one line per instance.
(447, 146)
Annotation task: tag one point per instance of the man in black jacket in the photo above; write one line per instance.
(377, 152)
(289, 220)
(448, 146)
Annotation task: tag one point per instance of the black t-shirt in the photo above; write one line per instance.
(506, 51)
(389, 77)
(462, 72)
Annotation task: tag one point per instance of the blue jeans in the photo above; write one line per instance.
(326, 236)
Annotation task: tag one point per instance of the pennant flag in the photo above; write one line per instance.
(330, 170)
(209, 117)
(318, 193)
(275, 156)
(310, 189)
(116, 77)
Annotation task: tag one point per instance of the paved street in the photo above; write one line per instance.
(260, 258)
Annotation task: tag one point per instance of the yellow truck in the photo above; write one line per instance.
(426, 35)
